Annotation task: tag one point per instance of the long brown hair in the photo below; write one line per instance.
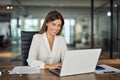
(52, 15)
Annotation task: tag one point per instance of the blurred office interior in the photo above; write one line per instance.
(88, 24)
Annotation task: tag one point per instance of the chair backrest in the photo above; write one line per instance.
(26, 38)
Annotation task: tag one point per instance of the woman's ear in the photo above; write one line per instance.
(46, 24)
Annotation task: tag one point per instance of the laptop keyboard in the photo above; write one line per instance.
(56, 71)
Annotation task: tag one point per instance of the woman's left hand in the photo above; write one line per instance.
(53, 66)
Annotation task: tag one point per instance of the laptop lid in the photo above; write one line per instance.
(80, 61)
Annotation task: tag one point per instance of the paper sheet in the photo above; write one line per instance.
(108, 69)
(24, 70)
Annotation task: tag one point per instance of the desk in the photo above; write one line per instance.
(46, 75)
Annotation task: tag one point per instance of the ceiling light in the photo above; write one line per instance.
(108, 13)
(9, 7)
(115, 5)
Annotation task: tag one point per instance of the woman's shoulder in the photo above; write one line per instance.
(37, 35)
(60, 37)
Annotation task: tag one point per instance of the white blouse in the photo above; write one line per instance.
(41, 54)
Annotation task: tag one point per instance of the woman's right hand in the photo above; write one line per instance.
(53, 66)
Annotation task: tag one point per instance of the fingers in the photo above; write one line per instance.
(58, 68)
(54, 66)
(59, 64)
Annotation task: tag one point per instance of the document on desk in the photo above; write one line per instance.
(107, 70)
(24, 70)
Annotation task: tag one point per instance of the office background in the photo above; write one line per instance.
(88, 24)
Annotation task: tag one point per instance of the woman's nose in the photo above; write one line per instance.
(56, 27)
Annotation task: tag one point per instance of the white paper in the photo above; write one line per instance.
(24, 70)
(108, 69)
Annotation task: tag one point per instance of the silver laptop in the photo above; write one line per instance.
(79, 62)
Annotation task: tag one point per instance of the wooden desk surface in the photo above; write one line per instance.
(46, 75)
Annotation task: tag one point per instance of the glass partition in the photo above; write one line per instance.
(77, 29)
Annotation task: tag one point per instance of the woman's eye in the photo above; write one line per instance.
(59, 25)
(53, 24)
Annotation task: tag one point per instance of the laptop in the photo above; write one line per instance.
(78, 62)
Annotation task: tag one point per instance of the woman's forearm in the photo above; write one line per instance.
(53, 66)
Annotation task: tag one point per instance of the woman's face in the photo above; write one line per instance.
(54, 27)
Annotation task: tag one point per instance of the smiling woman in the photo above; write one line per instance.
(48, 47)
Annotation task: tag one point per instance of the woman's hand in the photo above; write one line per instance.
(53, 66)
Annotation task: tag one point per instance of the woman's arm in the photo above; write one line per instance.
(63, 48)
(33, 53)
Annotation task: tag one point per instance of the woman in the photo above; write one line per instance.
(48, 47)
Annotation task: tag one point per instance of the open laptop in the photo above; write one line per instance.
(78, 62)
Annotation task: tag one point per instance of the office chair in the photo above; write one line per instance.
(26, 38)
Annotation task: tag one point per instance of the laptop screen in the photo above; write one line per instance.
(80, 61)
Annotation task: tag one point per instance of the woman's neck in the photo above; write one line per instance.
(49, 36)
(50, 40)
